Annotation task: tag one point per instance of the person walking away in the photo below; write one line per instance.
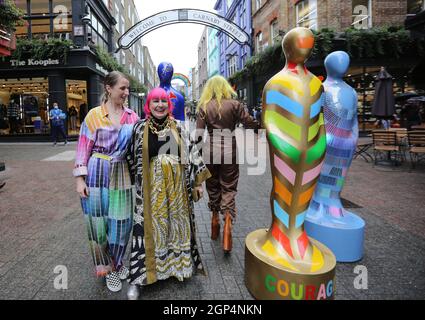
(103, 180)
(57, 116)
(218, 111)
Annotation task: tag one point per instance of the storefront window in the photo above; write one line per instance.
(25, 102)
(362, 79)
(41, 26)
(306, 14)
(415, 6)
(22, 31)
(59, 20)
(22, 4)
(362, 14)
(64, 5)
(76, 93)
(40, 7)
(62, 21)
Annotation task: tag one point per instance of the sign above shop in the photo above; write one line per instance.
(183, 16)
(33, 63)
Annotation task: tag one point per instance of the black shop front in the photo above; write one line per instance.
(29, 87)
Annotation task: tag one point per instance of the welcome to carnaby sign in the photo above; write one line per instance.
(182, 16)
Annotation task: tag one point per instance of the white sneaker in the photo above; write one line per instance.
(133, 292)
(123, 273)
(113, 282)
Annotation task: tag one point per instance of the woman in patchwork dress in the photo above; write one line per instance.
(103, 180)
(168, 172)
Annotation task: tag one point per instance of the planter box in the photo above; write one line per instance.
(7, 43)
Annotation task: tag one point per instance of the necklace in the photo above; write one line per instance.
(160, 129)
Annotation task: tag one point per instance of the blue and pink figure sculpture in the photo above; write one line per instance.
(327, 220)
(165, 74)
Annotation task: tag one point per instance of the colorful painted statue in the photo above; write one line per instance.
(327, 220)
(283, 262)
(165, 74)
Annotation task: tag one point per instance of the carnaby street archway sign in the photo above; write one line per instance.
(165, 18)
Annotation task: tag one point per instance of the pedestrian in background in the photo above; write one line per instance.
(57, 116)
(13, 116)
(73, 117)
(168, 173)
(218, 110)
(103, 180)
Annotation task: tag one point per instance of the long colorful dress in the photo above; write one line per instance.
(164, 240)
(108, 209)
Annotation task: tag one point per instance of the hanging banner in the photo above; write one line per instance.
(183, 16)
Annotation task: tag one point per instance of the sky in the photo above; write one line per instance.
(176, 43)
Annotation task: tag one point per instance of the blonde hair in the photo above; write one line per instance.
(217, 88)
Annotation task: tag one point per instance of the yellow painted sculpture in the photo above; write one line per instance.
(283, 262)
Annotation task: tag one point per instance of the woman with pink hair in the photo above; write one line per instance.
(168, 173)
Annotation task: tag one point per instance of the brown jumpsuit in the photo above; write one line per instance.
(220, 150)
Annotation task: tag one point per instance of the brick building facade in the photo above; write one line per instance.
(333, 14)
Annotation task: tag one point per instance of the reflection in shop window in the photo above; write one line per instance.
(306, 14)
(415, 6)
(362, 14)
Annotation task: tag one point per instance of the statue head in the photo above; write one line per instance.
(298, 45)
(165, 72)
(337, 63)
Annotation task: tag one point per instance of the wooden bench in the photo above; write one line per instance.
(416, 148)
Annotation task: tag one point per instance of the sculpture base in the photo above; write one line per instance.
(267, 280)
(344, 236)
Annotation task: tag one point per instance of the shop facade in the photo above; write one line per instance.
(32, 86)
(29, 86)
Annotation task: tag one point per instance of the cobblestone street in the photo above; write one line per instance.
(42, 227)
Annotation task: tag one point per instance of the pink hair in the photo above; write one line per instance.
(157, 93)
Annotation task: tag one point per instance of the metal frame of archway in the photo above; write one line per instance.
(182, 18)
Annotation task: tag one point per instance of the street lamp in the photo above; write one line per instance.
(86, 20)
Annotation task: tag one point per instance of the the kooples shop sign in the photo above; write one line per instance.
(34, 63)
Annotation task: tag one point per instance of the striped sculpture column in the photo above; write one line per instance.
(283, 262)
(327, 220)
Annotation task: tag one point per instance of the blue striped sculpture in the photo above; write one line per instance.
(327, 220)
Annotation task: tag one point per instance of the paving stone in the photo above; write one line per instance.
(42, 227)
